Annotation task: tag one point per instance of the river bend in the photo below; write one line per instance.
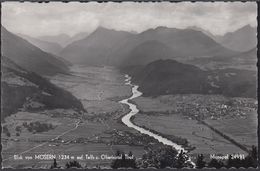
(134, 110)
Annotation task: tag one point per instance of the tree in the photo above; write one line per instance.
(6, 131)
(73, 164)
(248, 161)
(8, 134)
(200, 162)
(181, 160)
(251, 159)
(167, 157)
(230, 161)
(54, 165)
(18, 128)
(163, 157)
(215, 164)
(25, 124)
(118, 153)
(253, 152)
(123, 162)
(130, 154)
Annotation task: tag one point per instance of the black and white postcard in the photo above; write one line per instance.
(129, 85)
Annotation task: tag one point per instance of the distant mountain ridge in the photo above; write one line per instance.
(64, 39)
(50, 47)
(240, 40)
(30, 57)
(95, 48)
(119, 48)
(110, 47)
(185, 43)
(208, 33)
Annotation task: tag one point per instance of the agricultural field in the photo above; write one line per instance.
(199, 136)
(93, 83)
(98, 88)
(243, 130)
(179, 115)
(101, 131)
(68, 132)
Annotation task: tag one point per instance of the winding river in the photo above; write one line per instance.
(134, 110)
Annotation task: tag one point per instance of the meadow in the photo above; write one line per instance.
(99, 90)
(165, 114)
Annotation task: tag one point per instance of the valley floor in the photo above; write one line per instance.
(100, 130)
(180, 115)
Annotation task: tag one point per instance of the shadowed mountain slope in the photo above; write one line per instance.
(31, 91)
(29, 56)
(163, 77)
(50, 47)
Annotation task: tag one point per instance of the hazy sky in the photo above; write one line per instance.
(53, 18)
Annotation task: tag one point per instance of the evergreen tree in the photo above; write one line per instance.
(215, 164)
(181, 160)
(8, 134)
(124, 162)
(251, 159)
(248, 161)
(118, 153)
(200, 161)
(167, 159)
(123, 156)
(130, 154)
(73, 164)
(230, 161)
(54, 165)
(254, 153)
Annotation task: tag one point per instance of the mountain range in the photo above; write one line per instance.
(50, 47)
(94, 49)
(151, 57)
(31, 91)
(241, 40)
(119, 48)
(170, 77)
(63, 39)
(162, 77)
(30, 57)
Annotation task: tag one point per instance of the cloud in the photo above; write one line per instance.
(53, 18)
